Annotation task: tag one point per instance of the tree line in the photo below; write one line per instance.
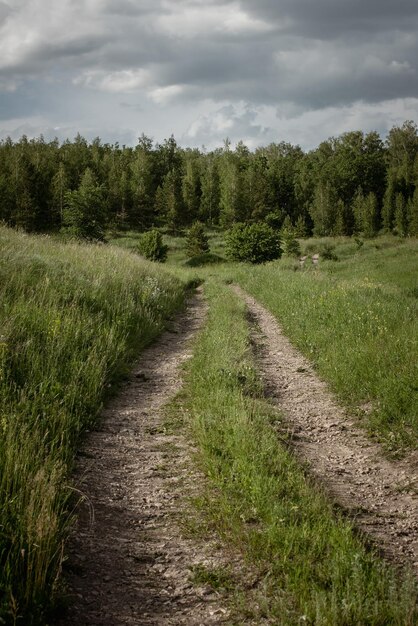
(354, 183)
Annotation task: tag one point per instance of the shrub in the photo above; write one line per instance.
(253, 243)
(151, 246)
(275, 219)
(290, 244)
(197, 241)
(204, 259)
(328, 252)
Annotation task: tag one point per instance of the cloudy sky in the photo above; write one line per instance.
(256, 70)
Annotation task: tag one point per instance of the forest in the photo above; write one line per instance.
(355, 183)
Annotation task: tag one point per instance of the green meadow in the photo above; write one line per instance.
(72, 318)
(355, 318)
(312, 567)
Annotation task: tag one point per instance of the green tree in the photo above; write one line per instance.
(197, 240)
(288, 241)
(323, 209)
(389, 204)
(231, 191)
(191, 187)
(413, 214)
(85, 211)
(210, 190)
(301, 229)
(365, 212)
(169, 202)
(141, 214)
(59, 187)
(401, 216)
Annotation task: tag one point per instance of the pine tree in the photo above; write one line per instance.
(59, 187)
(323, 209)
(370, 215)
(301, 230)
(197, 240)
(85, 213)
(401, 217)
(191, 189)
(412, 212)
(169, 202)
(141, 213)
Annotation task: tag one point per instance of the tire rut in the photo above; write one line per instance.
(129, 563)
(377, 494)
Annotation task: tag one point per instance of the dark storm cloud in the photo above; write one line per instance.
(328, 19)
(290, 55)
(293, 50)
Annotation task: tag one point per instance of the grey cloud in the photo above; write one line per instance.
(5, 11)
(228, 121)
(330, 18)
(295, 55)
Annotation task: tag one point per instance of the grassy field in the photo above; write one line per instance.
(312, 568)
(356, 319)
(72, 317)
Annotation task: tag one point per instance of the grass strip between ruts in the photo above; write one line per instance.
(316, 570)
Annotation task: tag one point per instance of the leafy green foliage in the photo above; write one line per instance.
(197, 241)
(151, 246)
(253, 243)
(84, 214)
(288, 241)
(165, 185)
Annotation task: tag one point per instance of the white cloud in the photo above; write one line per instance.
(163, 95)
(208, 20)
(123, 81)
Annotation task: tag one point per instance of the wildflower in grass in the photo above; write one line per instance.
(54, 327)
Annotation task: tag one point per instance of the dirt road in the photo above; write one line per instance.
(379, 495)
(129, 563)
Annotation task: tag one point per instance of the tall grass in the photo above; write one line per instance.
(356, 319)
(71, 316)
(313, 569)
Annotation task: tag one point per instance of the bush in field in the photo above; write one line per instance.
(290, 244)
(197, 241)
(151, 246)
(253, 243)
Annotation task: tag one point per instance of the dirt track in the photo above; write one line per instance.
(129, 560)
(130, 564)
(379, 495)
